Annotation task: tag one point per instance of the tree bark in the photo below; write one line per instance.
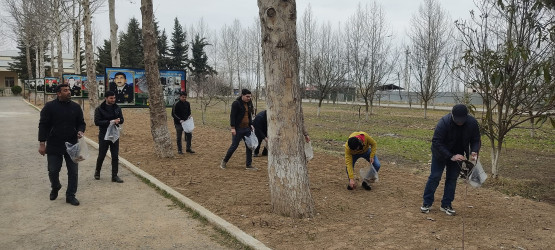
(288, 175)
(158, 116)
(58, 27)
(89, 57)
(76, 38)
(114, 52)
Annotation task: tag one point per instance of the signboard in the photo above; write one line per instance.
(75, 83)
(50, 84)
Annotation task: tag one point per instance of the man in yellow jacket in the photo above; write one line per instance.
(360, 144)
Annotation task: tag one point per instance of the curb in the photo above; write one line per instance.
(211, 217)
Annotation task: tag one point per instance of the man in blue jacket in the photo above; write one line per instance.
(107, 113)
(61, 120)
(241, 126)
(456, 137)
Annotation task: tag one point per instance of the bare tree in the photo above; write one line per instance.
(210, 92)
(158, 116)
(370, 52)
(327, 69)
(89, 57)
(114, 47)
(507, 61)
(430, 38)
(289, 183)
(306, 42)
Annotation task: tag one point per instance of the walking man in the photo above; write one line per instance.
(241, 126)
(181, 111)
(107, 113)
(61, 120)
(456, 137)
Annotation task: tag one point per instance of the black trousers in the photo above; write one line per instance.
(54, 167)
(103, 146)
(188, 137)
(260, 138)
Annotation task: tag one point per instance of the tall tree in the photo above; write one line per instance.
(131, 46)
(104, 57)
(288, 174)
(89, 56)
(164, 60)
(509, 62)
(19, 64)
(114, 48)
(198, 65)
(179, 48)
(158, 115)
(430, 37)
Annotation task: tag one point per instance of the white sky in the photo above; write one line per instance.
(217, 13)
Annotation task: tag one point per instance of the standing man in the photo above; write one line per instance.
(124, 92)
(454, 134)
(241, 126)
(181, 111)
(360, 144)
(107, 113)
(61, 120)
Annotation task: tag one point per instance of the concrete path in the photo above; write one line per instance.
(130, 215)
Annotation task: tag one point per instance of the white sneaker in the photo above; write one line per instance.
(448, 210)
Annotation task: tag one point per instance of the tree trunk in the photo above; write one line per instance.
(28, 57)
(76, 39)
(158, 117)
(114, 52)
(288, 175)
(89, 57)
(58, 24)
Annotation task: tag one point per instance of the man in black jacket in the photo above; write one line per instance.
(107, 113)
(61, 120)
(456, 134)
(260, 124)
(181, 111)
(241, 126)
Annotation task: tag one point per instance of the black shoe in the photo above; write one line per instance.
(72, 201)
(116, 179)
(180, 152)
(97, 175)
(190, 151)
(250, 167)
(366, 186)
(54, 193)
(349, 187)
(255, 155)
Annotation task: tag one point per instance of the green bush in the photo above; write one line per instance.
(16, 90)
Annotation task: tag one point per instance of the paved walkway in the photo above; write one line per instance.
(130, 215)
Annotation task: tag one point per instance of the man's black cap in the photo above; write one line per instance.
(459, 112)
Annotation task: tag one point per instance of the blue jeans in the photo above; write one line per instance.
(366, 156)
(54, 167)
(239, 135)
(436, 172)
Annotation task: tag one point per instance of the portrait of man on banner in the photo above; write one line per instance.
(121, 83)
(50, 84)
(75, 85)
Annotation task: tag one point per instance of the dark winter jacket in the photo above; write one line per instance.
(181, 111)
(103, 114)
(238, 112)
(60, 121)
(447, 132)
(260, 123)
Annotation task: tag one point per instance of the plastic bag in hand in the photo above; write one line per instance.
(251, 141)
(308, 152)
(112, 133)
(188, 125)
(78, 151)
(369, 174)
(477, 176)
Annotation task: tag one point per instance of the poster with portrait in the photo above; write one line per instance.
(121, 82)
(75, 83)
(173, 82)
(39, 85)
(100, 87)
(50, 84)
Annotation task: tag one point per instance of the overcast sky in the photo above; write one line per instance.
(217, 13)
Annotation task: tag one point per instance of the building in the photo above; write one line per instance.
(9, 78)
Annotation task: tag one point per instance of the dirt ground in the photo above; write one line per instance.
(388, 216)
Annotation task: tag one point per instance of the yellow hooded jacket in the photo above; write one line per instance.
(367, 143)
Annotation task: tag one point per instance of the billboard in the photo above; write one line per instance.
(75, 83)
(131, 88)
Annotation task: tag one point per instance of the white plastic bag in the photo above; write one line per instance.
(308, 152)
(477, 175)
(188, 125)
(78, 151)
(369, 173)
(251, 141)
(112, 133)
